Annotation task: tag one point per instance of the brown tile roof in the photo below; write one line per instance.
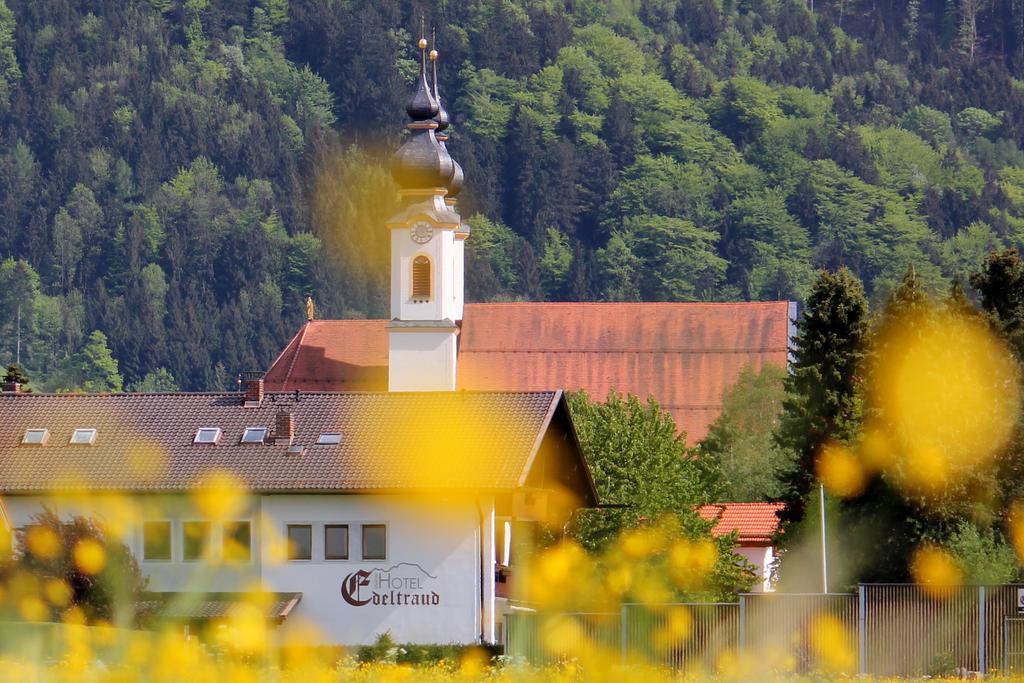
(392, 441)
(684, 354)
(755, 522)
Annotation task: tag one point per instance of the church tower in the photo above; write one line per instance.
(427, 248)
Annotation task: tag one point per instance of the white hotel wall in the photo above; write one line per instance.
(173, 575)
(438, 534)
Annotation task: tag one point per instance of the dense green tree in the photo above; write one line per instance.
(741, 441)
(167, 168)
(823, 396)
(96, 571)
(643, 469)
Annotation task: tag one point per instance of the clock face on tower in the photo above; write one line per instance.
(421, 232)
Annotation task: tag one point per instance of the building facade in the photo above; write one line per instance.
(378, 512)
(360, 513)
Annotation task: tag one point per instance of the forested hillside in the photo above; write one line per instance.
(177, 175)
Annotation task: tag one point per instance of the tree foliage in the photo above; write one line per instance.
(181, 175)
(823, 398)
(86, 572)
(741, 441)
(646, 474)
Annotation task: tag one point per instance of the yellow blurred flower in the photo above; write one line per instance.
(57, 591)
(840, 471)
(32, 608)
(833, 645)
(221, 497)
(876, 450)
(90, 556)
(947, 391)
(936, 570)
(43, 542)
(691, 562)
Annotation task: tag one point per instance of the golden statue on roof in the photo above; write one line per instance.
(310, 309)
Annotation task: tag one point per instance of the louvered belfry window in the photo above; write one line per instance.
(421, 278)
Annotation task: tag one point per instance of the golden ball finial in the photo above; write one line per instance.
(433, 55)
(423, 43)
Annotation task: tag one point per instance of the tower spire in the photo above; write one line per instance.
(422, 106)
(457, 178)
(422, 163)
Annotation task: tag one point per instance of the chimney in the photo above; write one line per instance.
(11, 387)
(252, 384)
(285, 431)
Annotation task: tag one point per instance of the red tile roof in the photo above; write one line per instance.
(685, 355)
(391, 441)
(756, 523)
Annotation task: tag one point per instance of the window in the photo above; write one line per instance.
(329, 439)
(156, 540)
(84, 436)
(336, 542)
(254, 435)
(36, 437)
(421, 278)
(300, 542)
(195, 538)
(375, 542)
(207, 435)
(237, 541)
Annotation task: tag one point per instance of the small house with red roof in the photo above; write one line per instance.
(755, 526)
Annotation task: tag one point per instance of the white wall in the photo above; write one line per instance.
(421, 360)
(762, 558)
(433, 551)
(130, 512)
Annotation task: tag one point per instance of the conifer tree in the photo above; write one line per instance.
(822, 392)
(1001, 284)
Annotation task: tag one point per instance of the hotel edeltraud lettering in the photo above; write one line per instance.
(403, 584)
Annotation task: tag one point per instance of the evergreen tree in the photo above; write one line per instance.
(823, 401)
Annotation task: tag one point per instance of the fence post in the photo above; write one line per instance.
(743, 624)
(623, 632)
(1006, 646)
(982, 631)
(862, 631)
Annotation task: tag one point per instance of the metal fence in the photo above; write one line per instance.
(683, 636)
(888, 629)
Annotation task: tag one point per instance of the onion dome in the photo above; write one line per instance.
(442, 118)
(422, 106)
(457, 180)
(422, 162)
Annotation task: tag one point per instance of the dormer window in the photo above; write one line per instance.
(209, 435)
(254, 435)
(36, 437)
(421, 278)
(83, 436)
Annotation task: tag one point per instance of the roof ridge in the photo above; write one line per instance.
(295, 356)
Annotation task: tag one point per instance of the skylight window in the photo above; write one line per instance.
(84, 436)
(36, 437)
(329, 439)
(207, 435)
(254, 435)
